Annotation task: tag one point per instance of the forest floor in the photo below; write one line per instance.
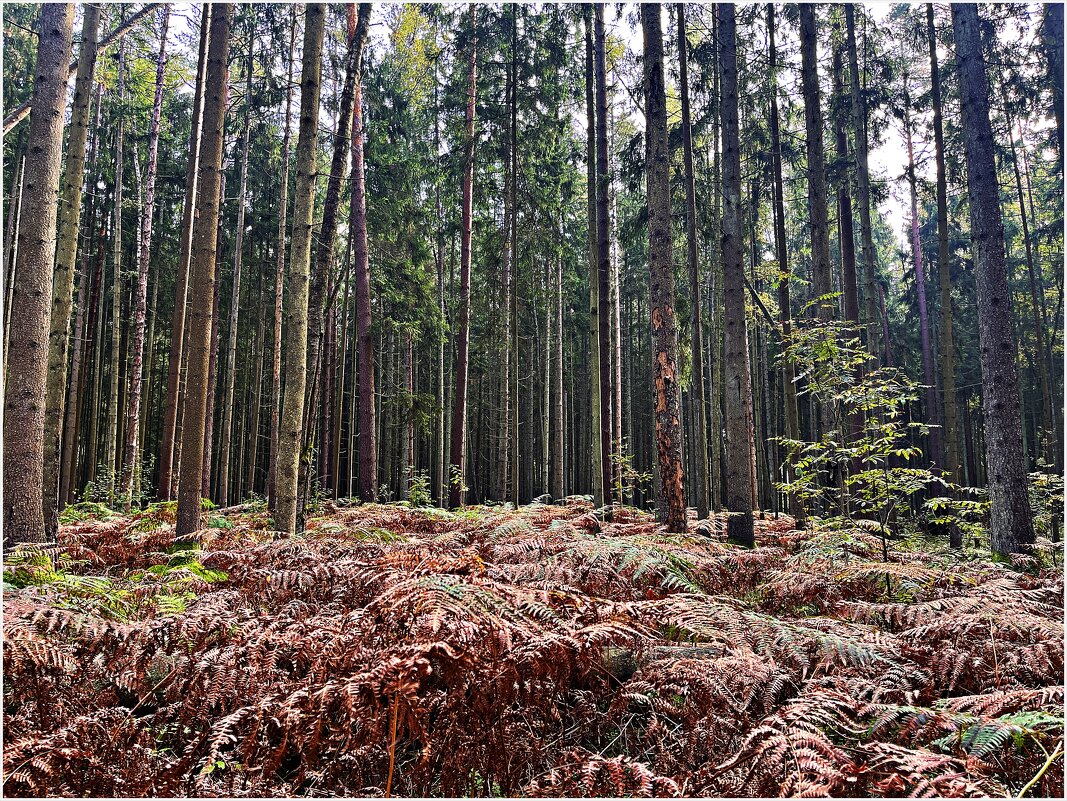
(545, 652)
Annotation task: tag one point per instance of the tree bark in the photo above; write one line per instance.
(202, 269)
(25, 390)
(664, 328)
(458, 446)
(133, 400)
(111, 430)
(213, 349)
(290, 435)
(785, 276)
(235, 293)
(69, 226)
(700, 433)
(279, 280)
(1011, 525)
(607, 447)
(863, 190)
(595, 400)
(929, 379)
(737, 378)
(368, 442)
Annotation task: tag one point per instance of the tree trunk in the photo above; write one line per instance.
(504, 442)
(664, 328)
(213, 349)
(950, 455)
(458, 446)
(556, 484)
(1052, 44)
(202, 269)
(368, 445)
(737, 378)
(14, 217)
(822, 284)
(863, 189)
(133, 400)
(111, 430)
(235, 292)
(25, 390)
(167, 460)
(596, 449)
(846, 233)
(1011, 525)
(785, 316)
(929, 379)
(607, 449)
(69, 226)
(279, 281)
(289, 443)
(700, 433)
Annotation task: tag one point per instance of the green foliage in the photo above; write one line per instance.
(85, 510)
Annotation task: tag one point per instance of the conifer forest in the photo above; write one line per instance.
(533, 399)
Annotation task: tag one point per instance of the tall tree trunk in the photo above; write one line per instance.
(513, 311)
(335, 470)
(324, 253)
(1052, 44)
(1011, 525)
(202, 269)
(846, 233)
(111, 430)
(25, 386)
(700, 434)
(737, 378)
(607, 449)
(279, 281)
(822, 284)
(715, 305)
(1049, 421)
(950, 455)
(929, 378)
(235, 293)
(504, 442)
(69, 226)
(14, 216)
(167, 461)
(664, 328)
(596, 449)
(556, 483)
(863, 189)
(368, 444)
(213, 349)
(407, 463)
(257, 389)
(133, 400)
(458, 446)
(289, 443)
(785, 316)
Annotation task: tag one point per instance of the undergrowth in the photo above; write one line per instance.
(544, 651)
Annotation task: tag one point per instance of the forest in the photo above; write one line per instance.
(523, 399)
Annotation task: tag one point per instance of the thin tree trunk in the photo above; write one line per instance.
(368, 445)
(290, 439)
(737, 378)
(556, 482)
(25, 390)
(202, 269)
(225, 446)
(257, 389)
(846, 232)
(459, 403)
(133, 400)
(596, 444)
(279, 281)
(664, 328)
(69, 226)
(213, 356)
(1011, 525)
(863, 188)
(822, 284)
(335, 469)
(111, 430)
(789, 386)
(929, 378)
(504, 443)
(14, 217)
(700, 434)
(603, 255)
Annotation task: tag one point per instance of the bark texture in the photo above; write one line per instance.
(27, 359)
(1010, 524)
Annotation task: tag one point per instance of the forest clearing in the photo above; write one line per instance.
(576, 400)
